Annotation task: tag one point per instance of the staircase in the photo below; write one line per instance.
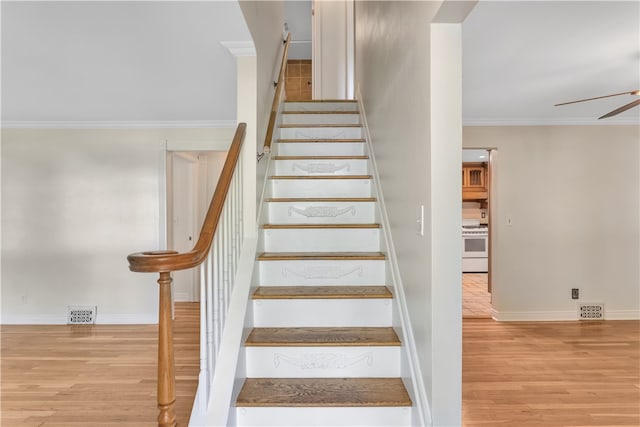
(322, 350)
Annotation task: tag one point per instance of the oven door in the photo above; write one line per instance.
(475, 246)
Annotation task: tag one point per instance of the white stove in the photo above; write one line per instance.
(475, 246)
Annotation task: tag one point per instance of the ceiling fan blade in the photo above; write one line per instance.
(633, 92)
(621, 109)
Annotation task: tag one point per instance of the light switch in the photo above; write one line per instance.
(420, 220)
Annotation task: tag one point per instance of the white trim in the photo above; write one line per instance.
(558, 316)
(176, 124)
(421, 403)
(101, 319)
(577, 121)
(240, 48)
(621, 314)
(216, 144)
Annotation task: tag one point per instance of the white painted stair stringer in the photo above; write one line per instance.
(412, 374)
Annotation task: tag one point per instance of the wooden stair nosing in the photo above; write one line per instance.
(320, 177)
(355, 112)
(320, 125)
(322, 292)
(321, 140)
(323, 337)
(321, 101)
(323, 392)
(319, 226)
(321, 199)
(320, 158)
(331, 256)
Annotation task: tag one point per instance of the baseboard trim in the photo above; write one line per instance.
(558, 316)
(621, 314)
(101, 319)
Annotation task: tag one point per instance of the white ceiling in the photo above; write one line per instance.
(162, 61)
(119, 61)
(520, 58)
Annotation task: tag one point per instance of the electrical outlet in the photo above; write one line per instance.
(575, 293)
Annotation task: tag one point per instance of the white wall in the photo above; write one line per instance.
(572, 194)
(265, 20)
(75, 203)
(393, 76)
(297, 15)
(119, 61)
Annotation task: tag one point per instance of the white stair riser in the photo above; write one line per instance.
(321, 212)
(321, 167)
(319, 362)
(322, 119)
(320, 106)
(320, 149)
(325, 416)
(287, 188)
(375, 312)
(321, 132)
(322, 240)
(322, 273)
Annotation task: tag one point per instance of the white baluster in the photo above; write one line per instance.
(204, 376)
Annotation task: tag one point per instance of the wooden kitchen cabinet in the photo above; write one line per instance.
(474, 181)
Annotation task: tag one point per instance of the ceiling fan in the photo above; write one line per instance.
(617, 110)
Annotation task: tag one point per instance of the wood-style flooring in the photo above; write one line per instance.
(94, 375)
(551, 374)
(514, 374)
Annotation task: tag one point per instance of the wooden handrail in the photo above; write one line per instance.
(276, 96)
(160, 261)
(164, 262)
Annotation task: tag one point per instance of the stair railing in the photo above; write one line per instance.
(216, 253)
(280, 83)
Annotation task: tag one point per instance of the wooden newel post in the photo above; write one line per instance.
(166, 367)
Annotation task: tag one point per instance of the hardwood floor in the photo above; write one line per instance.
(95, 375)
(551, 373)
(514, 374)
(476, 300)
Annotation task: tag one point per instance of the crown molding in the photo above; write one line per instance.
(178, 124)
(240, 48)
(577, 121)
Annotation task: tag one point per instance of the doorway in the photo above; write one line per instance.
(476, 233)
(182, 219)
(192, 177)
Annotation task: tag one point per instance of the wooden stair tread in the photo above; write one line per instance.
(320, 125)
(321, 199)
(286, 140)
(322, 337)
(320, 157)
(321, 292)
(319, 392)
(321, 112)
(320, 101)
(320, 177)
(307, 226)
(335, 256)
